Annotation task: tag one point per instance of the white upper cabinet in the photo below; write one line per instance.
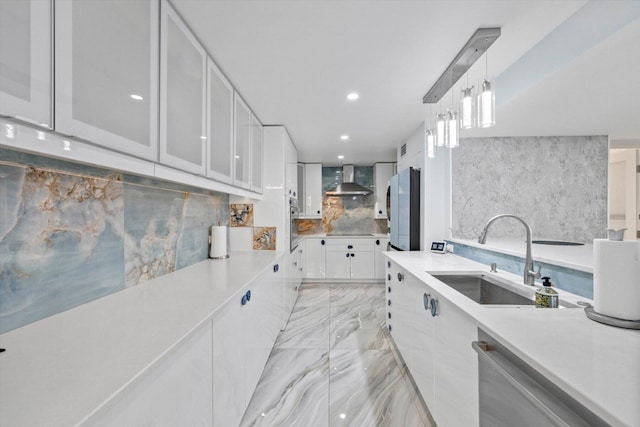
(291, 168)
(312, 194)
(382, 173)
(256, 154)
(183, 70)
(219, 125)
(242, 153)
(107, 73)
(26, 60)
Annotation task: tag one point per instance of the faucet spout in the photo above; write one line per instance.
(529, 275)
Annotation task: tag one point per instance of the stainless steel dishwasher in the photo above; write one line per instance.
(514, 394)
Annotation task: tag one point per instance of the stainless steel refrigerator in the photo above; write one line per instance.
(404, 189)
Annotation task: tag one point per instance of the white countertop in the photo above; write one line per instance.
(598, 365)
(574, 257)
(337, 236)
(58, 370)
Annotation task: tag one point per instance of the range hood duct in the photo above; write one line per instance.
(348, 187)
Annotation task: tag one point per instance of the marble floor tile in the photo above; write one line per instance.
(308, 327)
(366, 388)
(333, 365)
(293, 390)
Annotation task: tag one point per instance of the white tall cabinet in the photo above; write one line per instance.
(312, 200)
(183, 71)
(26, 60)
(219, 125)
(382, 173)
(106, 87)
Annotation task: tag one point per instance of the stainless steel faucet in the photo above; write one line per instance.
(530, 275)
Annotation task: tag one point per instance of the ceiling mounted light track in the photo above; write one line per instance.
(468, 55)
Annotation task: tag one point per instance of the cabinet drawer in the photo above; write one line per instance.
(361, 245)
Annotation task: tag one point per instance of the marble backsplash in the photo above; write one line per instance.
(345, 215)
(71, 233)
(557, 184)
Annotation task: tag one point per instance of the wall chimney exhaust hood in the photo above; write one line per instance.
(348, 187)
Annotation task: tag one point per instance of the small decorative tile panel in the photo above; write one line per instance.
(264, 238)
(241, 215)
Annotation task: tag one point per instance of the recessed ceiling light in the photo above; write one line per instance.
(136, 97)
(341, 157)
(203, 137)
(344, 137)
(353, 96)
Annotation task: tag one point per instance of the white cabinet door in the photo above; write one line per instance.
(26, 60)
(338, 265)
(421, 327)
(107, 73)
(362, 265)
(312, 199)
(315, 258)
(382, 173)
(291, 168)
(183, 70)
(455, 368)
(379, 260)
(300, 173)
(256, 155)
(219, 125)
(229, 399)
(177, 390)
(400, 308)
(242, 144)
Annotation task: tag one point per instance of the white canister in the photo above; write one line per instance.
(218, 242)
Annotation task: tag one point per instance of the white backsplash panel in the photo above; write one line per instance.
(557, 184)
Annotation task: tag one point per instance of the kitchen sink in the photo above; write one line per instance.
(484, 289)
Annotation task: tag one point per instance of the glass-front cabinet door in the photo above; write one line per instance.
(219, 125)
(256, 154)
(183, 90)
(242, 156)
(107, 73)
(26, 60)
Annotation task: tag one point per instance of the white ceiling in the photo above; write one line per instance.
(295, 61)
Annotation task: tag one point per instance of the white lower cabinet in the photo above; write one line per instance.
(350, 258)
(315, 258)
(455, 368)
(381, 244)
(177, 391)
(243, 335)
(436, 349)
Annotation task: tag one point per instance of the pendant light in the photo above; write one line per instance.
(430, 136)
(453, 138)
(486, 100)
(441, 129)
(466, 107)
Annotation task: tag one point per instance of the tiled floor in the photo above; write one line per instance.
(333, 366)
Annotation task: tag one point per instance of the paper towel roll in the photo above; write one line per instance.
(218, 248)
(616, 278)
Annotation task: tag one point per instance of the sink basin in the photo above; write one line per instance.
(483, 289)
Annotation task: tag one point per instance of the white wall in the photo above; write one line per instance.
(435, 186)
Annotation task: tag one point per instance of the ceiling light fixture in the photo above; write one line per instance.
(136, 97)
(468, 55)
(344, 137)
(431, 143)
(340, 157)
(453, 138)
(353, 96)
(441, 130)
(466, 107)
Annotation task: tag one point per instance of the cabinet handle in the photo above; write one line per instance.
(248, 295)
(276, 268)
(389, 315)
(389, 289)
(243, 301)
(378, 242)
(389, 276)
(300, 269)
(388, 264)
(389, 302)
(294, 194)
(347, 255)
(295, 263)
(400, 277)
(350, 247)
(352, 255)
(425, 300)
(318, 211)
(289, 192)
(322, 242)
(389, 328)
(434, 307)
(380, 212)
